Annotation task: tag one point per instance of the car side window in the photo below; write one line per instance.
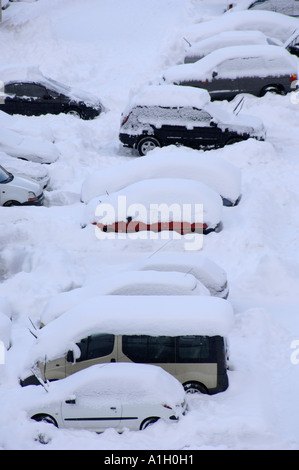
(30, 90)
(195, 115)
(229, 68)
(149, 349)
(96, 346)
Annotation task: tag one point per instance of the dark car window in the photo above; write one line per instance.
(31, 90)
(192, 349)
(149, 349)
(195, 115)
(5, 177)
(96, 346)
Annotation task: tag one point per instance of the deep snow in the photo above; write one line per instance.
(112, 49)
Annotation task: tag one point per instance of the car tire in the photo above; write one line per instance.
(148, 422)
(146, 144)
(42, 418)
(74, 112)
(11, 203)
(275, 89)
(195, 387)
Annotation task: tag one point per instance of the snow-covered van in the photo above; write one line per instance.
(184, 335)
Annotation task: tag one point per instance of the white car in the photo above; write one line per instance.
(118, 395)
(156, 205)
(168, 162)
(33, 171)
(28, 148)
(202, 48)
(212, 276)
(19, 191)
(150, 282)
(275, 25)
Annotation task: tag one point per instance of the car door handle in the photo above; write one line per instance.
(113, 408)
(70, 401)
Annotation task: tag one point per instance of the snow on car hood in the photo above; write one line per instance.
(241, 122)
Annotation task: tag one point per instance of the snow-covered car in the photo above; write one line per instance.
(180, 205)
(130, 396)
(287, 7)
(168, 162)
(139, 282)
(27, 91)
(206, 271)
(161, 115)
(185, 335)
(19, 191)
(25, 169)
(272, 24)
(227, 72)
(28, 148)
(200, 49)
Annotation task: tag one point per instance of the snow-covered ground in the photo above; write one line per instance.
(113, 48)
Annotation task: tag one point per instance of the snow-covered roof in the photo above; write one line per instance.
(203, 268)
(168, 162)
(149, 282)
(20, 72)
(134, 315)
(272, 60)
(169, 96)
(30, 148)
(270, 23)
(229, 39)
(148, 200)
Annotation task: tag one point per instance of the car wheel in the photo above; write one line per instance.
(11, 203)
(272, 89)
(148, 422)
(74, 112)
(45, 419)
(195, 387)
(146, 144)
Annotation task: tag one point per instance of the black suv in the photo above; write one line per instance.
(189, 119)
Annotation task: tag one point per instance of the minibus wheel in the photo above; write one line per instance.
(195, 387)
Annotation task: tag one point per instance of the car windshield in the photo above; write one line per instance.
(5, 176)
(57, 86)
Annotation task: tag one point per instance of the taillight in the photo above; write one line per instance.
(31, 196)
(167, 406)
(293, 77)
(125, 119)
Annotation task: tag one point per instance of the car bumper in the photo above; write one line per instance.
(37, 202)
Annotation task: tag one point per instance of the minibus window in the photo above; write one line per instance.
(149, 349)
(96, 346)
(192, 349)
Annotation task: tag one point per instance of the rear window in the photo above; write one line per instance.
(160, 116)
